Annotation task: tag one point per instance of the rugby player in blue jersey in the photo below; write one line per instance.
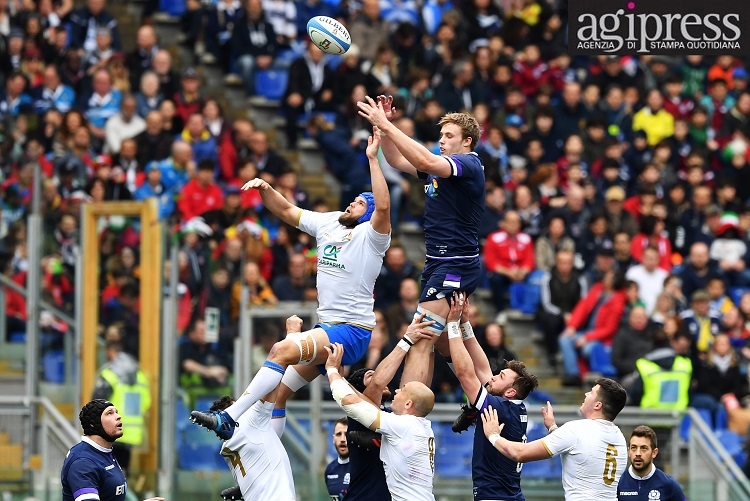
(494, 476)
(643, 481)
(454, 205)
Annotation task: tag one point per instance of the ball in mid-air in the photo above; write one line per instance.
(329, 35)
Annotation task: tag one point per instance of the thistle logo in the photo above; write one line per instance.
(664, 28)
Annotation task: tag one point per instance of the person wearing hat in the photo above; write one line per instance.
(153, 187)
(351, 246)
(90, 471)
(701, 322)
(618, 219)
(730, 251)
(189, 100)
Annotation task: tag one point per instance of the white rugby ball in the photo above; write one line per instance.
(329, 35)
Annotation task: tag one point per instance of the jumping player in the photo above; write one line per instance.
(351, 246)
(454, 206)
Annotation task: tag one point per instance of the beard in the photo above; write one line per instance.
(346, 219)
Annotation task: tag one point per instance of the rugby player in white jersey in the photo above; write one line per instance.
(351, 246)
(408, 446)
(593, 450)
(254, 453)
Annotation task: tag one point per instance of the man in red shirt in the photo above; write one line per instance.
(200, 194)
(508, 257)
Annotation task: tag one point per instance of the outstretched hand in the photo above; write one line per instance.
(388, 108)
(373, 144)
(490, 422)
(548, 415)
(418, 328)
(457, 306)
(257, 184)
(373, 112)
(336, 356)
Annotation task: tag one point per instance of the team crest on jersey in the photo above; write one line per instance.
(654, 495)
(346, 478)
(431, 188)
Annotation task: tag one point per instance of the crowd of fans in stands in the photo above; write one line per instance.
(619, 186)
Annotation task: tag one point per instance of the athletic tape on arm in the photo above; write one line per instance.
(364, 412)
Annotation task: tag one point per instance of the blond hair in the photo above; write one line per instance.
(468, 124)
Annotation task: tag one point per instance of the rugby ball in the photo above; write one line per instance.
(329, 35)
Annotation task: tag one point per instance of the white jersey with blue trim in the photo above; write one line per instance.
(454, 207)
(349, 261)
(257, 457)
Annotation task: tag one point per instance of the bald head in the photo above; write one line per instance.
(422, 398)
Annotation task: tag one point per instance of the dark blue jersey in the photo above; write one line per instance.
(655, 486)
(337, 478)
(91, 472)
(454, 207)
(365, 471)
(494, 475)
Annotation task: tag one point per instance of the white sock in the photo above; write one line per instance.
(268, 377)
(278, 423)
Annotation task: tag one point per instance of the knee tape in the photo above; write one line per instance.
(308, 347)
(438, 327)
(293, 380)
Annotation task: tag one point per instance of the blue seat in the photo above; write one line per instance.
(601, 360)
(538, 396)
(173, 7)
(271, 84)
(453, 452)
(53, 363)
(18, 337)
(736, 294)
(705, 414)
(733, 443)
(722, 419)
(196, 457)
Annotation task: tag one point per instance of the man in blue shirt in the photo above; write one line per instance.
(454, 206)
(643, 481)
(337, 472)
(494, 475)
(90, 471)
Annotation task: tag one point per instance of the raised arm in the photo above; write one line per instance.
(521, 452)
(415, 154)
(381, 218)
(394, 157)
(348, 399)
(275, 201)
(482, 367)
(387, 367)
(462, 363)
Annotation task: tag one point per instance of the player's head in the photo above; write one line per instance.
(413, 398)
(339, 437)
(100, 417)
(359, 211)
(513, 382)
(642, 449)
(222, 403)
(607, 398)
(361, 378)
(459, 133)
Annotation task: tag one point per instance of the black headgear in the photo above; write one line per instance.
(357, 379)
(91, 418)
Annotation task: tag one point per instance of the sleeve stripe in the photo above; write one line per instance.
(455, 166)
(547, 448)
(92, 495)
(86, 490)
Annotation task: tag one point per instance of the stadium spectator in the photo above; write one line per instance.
(85, 22)
(189, 99)
(153, 144)
(139, 60)
(561, 288)
(253, 45)
(493, 211)
(697, 270)
(702, 323)
(631, 342)
(397, 267)
(718, 378)
(662, 364)
(153, 187)
(201, 365)
(123, 125)
(369, 29)
(148, 97)
(508, 257)
(260, 293)
(595, 319)
(292, 285)
(551, 242)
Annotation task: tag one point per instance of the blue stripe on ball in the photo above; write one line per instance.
(322, 36)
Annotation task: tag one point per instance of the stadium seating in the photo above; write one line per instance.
(53, 363)
(453, 452)
(271, 84)
(685, 425)
(734, 445)
(600, 360)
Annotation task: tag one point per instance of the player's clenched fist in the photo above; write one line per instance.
(257, 184)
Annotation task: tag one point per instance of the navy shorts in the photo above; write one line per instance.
(354, 338)
(442, 277)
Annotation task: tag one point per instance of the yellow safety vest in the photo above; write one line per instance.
(665, 388)
(132, 402)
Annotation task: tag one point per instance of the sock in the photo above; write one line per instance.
(278, 421)
(268, 377)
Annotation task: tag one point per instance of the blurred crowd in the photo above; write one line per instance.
(617, 187)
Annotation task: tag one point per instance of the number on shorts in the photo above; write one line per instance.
(431, 447)
(234, 458)
(519, 466)
(610, 465)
